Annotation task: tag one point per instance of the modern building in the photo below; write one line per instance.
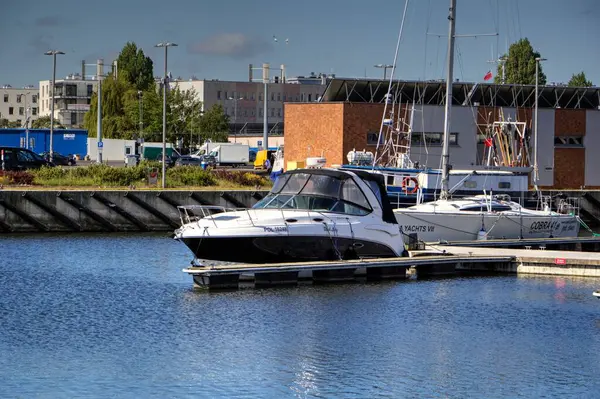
(71, 100)
(19, 104)
(244, 102)
(351, 111)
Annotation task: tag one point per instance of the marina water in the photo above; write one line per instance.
(114, 316)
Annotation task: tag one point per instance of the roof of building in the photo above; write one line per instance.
(463, 93)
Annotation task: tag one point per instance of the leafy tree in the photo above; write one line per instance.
(579, 80)
(214, 125)
(135, 68)
(520, 65)
(6, 124)
(183, 115)
(115, 123)
(43, 122)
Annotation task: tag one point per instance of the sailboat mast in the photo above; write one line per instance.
(449, 77)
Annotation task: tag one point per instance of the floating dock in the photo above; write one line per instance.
(440, 260)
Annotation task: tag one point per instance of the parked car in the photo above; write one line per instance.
(59, 159)
(188, 160)
(16, 158)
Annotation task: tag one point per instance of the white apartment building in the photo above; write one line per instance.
(244, 101)
(17, 104)
(71, 100)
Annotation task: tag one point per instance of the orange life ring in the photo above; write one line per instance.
(406, 185)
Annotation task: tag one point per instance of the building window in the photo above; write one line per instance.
(253, 98)
(71, 90)
(568, 141)
(219, 95)
(73, 118)
(6, 98)
(470, 184)
(19, 97)
(278, 96)
(260, 112)
(90, 90)
(272, 96)
(260, 97)
(372, 138)
(433, 139)
(504, 185)
(34, 99)
(302, 97)
(11, 110)
(21, 111)
(278, 111)
(33, 111)
(272, 111)
(245, 112)
(309, 97)
(19, 122)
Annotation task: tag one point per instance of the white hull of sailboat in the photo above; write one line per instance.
(436, 227)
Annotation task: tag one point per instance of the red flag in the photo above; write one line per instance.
(488, 76)
(488, 142)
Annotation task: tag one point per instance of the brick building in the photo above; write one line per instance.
(349, 117)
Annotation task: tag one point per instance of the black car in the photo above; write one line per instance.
(16, 158)
(187, 160)
(59, 159)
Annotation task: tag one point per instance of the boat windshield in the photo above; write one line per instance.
(317, 193)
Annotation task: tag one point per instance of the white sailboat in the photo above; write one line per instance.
(482, 216)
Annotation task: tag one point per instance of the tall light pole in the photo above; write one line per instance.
(166, 45)
(385, 68)
(27, 111)
(235, 100)
(53, 53)
(536, 175)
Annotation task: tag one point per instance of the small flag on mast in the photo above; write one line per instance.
(488, 76)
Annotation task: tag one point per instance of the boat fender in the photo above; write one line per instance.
(481, 235)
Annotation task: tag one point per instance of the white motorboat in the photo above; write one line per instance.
(483, 217)
(309, 214)
(597, 294)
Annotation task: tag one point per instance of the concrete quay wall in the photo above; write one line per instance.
(91, 211)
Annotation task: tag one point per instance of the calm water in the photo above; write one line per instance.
(114, 316)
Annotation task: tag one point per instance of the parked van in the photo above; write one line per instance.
(15, 158)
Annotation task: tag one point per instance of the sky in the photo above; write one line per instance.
(218, 39)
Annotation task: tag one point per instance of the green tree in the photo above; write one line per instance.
(579, 80)
(43, 122)
(6, 124)
(183, 115)
(520, 65)
(135, 68)
(115, 123)
(214, 125)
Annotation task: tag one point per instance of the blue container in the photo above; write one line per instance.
(65, 141)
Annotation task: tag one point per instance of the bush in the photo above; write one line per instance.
(241, 178)
(190, 176)
(19, 177)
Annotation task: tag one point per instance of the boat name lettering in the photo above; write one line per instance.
(330, 228)
(545, 226)
(276, 229)
(420, 228)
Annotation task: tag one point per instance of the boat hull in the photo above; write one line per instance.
(279, 249)
(436, 227)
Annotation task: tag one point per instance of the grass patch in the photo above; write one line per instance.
(100, 175)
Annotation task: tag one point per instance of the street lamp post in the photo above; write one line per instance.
(235, 100)
(536, 175)
(27, 111)
(385, 68)
(166, 45)
(53, 53)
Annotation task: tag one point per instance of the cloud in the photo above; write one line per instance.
(49, 20)
(235, 45)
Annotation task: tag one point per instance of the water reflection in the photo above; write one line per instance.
(113, 315)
